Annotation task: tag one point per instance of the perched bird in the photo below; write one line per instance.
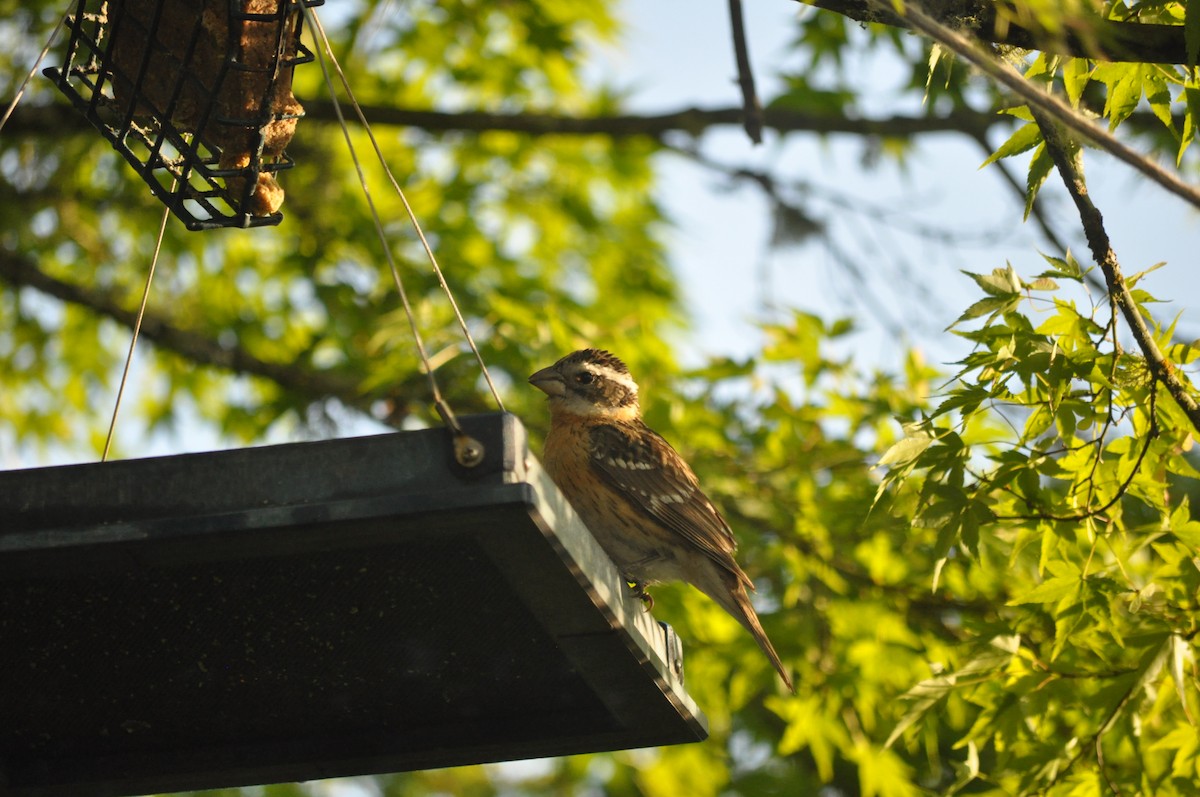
(633, 490)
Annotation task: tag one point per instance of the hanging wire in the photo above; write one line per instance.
(468, 451)
(324, 40)
(24, 83)
(137, 328)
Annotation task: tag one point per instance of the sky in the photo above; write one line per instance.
(678, 55)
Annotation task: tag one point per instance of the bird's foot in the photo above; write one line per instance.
(639, 592)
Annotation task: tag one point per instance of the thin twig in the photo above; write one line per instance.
(1151, 434)
(884, 213)
(1097, 739)
(752, 111)
(1098, 241)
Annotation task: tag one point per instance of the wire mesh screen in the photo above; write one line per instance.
(196, 95)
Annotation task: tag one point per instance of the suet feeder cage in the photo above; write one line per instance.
(313, 610)
(195, 94)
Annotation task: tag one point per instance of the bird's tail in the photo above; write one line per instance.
(733, 599)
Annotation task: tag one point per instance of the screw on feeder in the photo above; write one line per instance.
(468, 451)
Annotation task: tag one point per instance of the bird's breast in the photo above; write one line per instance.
(626, 534)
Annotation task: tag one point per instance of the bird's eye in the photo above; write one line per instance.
(584, 378)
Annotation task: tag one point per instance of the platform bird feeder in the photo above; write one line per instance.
(313, 610)
(195, 94)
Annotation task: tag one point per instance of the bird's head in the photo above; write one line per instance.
(589, 382)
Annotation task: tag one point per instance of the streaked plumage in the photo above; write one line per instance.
(634, 492)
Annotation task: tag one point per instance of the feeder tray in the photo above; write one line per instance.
(196, 94)
(314, 610)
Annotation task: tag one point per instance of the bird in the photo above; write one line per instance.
(635, 493)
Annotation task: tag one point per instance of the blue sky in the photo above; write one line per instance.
(677, 55)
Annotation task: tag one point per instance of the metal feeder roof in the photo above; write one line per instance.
(313, 610)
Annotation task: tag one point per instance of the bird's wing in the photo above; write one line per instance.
(643, 467)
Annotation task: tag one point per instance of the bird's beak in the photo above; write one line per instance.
(549, 381)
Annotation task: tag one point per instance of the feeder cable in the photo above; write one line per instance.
(468, 451)
(137, 327)
(21, 91)
(315, 22)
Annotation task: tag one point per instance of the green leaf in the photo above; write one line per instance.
(1042, 284)
(1064, 267)
(1184, 741)
(1076, 74)
(1025, 138)
(965, 772)
(882, 773)
(810, 727)
(1038, 422)
(1049, 591)
(1191, 97)
(1187, 532)
(1002, 282)
(928, 693)
(988, 306)
(936, 53)
(1179, 657)
(918, 437)
(1133, 280)
(1124, 83)
(1039, 169)
(1159, 97)
(1148, 669)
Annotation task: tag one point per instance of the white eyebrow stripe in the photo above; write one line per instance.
(625, 380)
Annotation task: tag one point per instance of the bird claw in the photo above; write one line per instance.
(639, 592)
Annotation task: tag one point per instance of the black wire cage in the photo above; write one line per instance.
(196, 95)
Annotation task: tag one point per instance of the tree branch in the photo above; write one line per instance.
(1039, 99)
(48, 121)
(61, 119)
(1098, 241)
(1085, 37)
(20, 272)
(752, 112)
